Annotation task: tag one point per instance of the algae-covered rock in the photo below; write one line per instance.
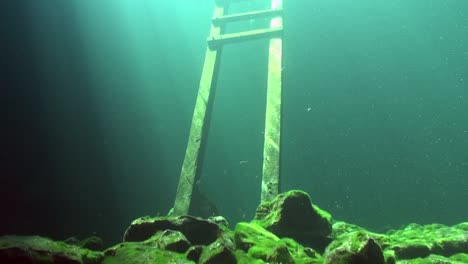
(219, 220)
(389, 256)
(462, 226)
(92, 243)
(244, 258)
(356, 247)
(194, 253)
(217, 253)
(302, 255)
(462, 257)
(437, 259)
(277, 253)
(343, 228)
(340, 228)
(172, 240)
(35, 249)
(287, 230)
(141, 253)
(198, 231)
(292, 215)
(416, 241)
(247, 235)
(259, 243)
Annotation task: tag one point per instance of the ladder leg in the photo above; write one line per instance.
(271, 148)
(200, 125)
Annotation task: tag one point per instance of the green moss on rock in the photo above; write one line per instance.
(291, 214)
(259, 243)
(437, 259)
(197, 230)
(416, 241)
(36, 249)
(92, 243)
(140, 253)
(289, 229)
(355, 247)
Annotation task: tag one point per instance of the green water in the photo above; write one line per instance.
(375, 104)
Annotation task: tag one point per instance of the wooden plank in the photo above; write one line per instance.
(219, 21)
(271, 148)
(217, 41)
(226, 2)
(199, 128)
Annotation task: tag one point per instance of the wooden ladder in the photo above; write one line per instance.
(199, 130)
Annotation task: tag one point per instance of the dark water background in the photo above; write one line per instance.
(97, 99)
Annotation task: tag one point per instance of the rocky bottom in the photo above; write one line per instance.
(289, 229)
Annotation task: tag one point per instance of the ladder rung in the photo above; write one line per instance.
(219, 21)
(225, 2)
(215, 41)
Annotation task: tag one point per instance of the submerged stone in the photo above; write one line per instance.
(217, 253)
(198, 231)
(354, 248)
(291, 214)
(172, 240)
(303, 255)
(92, 243)
(340, 228)
(261, 244)
(437, 259)
(219, 220)
(416, 241)
(389, 256)
(194, 253)
(141, 253)
(287, 230)
(35, 249)
(247, 235)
